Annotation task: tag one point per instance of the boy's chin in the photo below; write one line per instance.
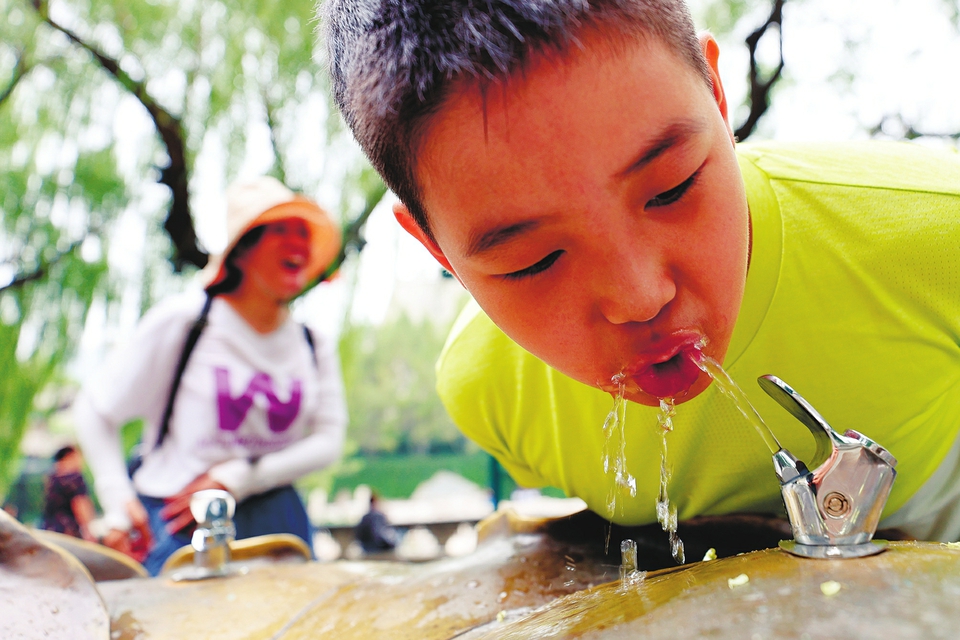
(634, 393)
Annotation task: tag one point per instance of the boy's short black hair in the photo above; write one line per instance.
(393, 62)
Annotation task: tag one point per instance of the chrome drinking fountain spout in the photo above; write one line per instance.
(834, 509)
(213, 510)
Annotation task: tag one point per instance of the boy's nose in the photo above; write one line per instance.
(636, 290)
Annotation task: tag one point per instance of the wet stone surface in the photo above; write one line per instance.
(46, 593)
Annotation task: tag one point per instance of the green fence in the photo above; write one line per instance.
(396, 476)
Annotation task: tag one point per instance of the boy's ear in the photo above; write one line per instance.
(405, 218)
(711, 51)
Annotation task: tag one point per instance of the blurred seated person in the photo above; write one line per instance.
(374, 533)
(234, 394)
(67, 507)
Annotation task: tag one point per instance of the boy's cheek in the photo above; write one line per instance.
(545, 325)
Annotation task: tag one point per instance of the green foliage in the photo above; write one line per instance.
(57, 189)
(390, 379)
(952, 7)
(79, 157)
(50, 281)
(722, 17)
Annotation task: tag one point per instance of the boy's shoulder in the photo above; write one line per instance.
(473, 333)
(906, 166)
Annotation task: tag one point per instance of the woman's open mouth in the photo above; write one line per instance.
(293, 264)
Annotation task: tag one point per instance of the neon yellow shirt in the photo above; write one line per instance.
(852, 298)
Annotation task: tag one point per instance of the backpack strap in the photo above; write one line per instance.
(313, 347)
(195, 330)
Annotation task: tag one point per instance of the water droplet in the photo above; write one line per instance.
(629, 576)
(666, 512)
(614, 450)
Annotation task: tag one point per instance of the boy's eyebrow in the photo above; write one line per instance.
(497, 236)
(672, 135)
(669, 137)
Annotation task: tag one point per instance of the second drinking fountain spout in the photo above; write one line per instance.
(834, 509)
(213, 511)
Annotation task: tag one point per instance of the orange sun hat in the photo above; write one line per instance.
(252, 203)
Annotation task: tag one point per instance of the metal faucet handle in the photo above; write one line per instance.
(834, 509)
(212, 505)
(213, 510)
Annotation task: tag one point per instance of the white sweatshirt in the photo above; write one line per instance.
(252, 410)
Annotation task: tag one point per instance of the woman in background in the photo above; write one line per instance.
(258, 401)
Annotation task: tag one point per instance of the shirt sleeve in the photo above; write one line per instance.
(133, 383)
(319, 449)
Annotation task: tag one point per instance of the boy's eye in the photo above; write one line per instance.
(672, 195)
(536, 268)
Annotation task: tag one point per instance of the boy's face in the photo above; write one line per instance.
(595, 210)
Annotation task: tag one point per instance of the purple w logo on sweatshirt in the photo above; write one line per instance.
(232, 410)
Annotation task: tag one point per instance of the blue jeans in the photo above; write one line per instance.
(279, 510)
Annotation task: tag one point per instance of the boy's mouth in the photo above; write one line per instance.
(671, 376)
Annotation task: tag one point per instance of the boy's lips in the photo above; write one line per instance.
(671, 373)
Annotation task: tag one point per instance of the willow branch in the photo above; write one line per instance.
(40, 272)
(909, 131)
(20, 69)
(760, 87)
(353, 239)
(269, 109)
(353, 232)
(179, 223)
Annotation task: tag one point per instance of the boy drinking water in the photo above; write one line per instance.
(572, 164)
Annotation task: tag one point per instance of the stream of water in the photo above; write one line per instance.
(666, 512)
(615, 451)
(730, 389)
(630, 575)
(614, 448)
